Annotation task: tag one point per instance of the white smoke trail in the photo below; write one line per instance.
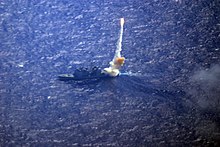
(119, 43)
(118, 61)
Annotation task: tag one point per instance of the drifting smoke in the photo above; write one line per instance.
(206, 88)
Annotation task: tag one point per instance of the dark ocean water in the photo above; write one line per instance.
(172, 50)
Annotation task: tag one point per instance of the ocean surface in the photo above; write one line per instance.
(171, 96)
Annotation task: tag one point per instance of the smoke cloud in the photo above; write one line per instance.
(205, 88)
